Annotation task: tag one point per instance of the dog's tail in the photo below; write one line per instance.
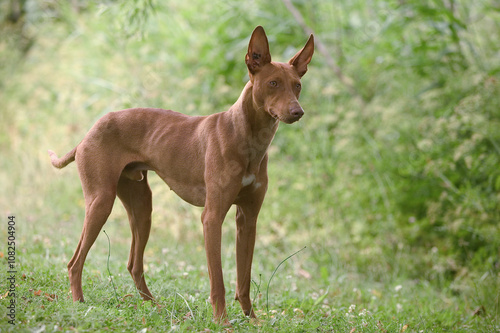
(63, 161)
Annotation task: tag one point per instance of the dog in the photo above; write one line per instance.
(212, 161)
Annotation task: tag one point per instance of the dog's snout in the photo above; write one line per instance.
(297, 112)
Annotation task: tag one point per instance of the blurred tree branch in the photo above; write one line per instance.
(13, 31)
(16, 10)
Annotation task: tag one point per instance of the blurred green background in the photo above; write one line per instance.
(393, 174)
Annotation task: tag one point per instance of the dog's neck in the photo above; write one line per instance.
(254, 126)
(254, 120)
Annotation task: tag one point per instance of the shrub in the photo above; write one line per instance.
(451, 185)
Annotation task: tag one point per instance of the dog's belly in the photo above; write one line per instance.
(189, 191)
(192, 193)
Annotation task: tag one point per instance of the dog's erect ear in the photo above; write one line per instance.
(303, 57)
(258, 51)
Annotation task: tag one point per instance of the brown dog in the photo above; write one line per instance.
(214, 162)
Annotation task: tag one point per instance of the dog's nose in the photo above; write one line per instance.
(297, 112)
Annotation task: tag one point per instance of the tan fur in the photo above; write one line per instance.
(213, 161)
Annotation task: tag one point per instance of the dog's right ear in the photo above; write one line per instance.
(258, 54)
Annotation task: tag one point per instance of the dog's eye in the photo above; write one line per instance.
(273, 84)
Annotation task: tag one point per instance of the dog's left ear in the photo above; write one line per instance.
(303, 57)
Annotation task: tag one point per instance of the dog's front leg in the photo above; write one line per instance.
(212, 232)
(219, 198)
(246, 224)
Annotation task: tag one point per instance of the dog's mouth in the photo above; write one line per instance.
(272, 114)
(287, 120)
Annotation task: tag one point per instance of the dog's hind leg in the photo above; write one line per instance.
(99, 177)
(137, 200)
(98, 206)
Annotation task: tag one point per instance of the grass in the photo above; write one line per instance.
(315, 290)
(298, 301)
(390, 247)
(343, 302)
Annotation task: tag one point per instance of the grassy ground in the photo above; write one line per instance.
(399, 223)
(313, 291)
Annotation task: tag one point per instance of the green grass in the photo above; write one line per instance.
(301, 298)
(392, 185)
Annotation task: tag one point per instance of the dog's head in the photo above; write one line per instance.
(276, 85)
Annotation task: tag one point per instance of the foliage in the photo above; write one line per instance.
(391, 180)
(455, 160)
